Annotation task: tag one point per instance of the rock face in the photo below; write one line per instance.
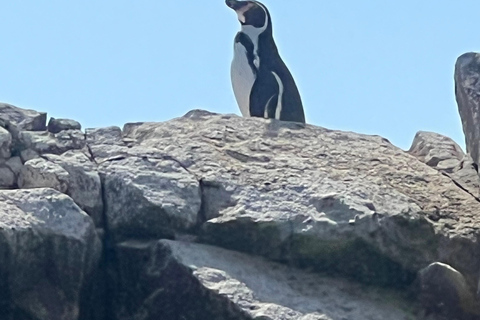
(444, 155)
(71, 173)
(445, 291)
(5, 143)
(16, 119)
(467, 92)
(57, 125)
(229, 285)
(329, 200)
(274, 203)
(49, 249)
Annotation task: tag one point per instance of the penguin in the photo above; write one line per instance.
(262, 84)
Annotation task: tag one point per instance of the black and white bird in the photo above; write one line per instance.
(262, 84)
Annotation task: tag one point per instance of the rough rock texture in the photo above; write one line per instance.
(267, 290)
(148, 197)
(57, 125)
(15, 119)
(102, 141)
(5, 143)
(328, 200)
(444, 291)
(171, 292)
(49, 250)
(46, 142)
(41, 173)
(467, 92)
(341, 203)
(7, 177)
(443, 154)
(71, 173)
(9, 171)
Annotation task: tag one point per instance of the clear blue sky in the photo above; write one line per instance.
(375, 67)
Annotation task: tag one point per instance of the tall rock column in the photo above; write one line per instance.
(467, 92)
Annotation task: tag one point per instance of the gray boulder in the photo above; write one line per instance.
(71, 173)
(436, 150)
(41, 173)
(7, 177)
(15, 164)
(5, 143)
(104, 136)
(149, 197)
(16, 119)
(32, 144)
(168, 289)
(446, 156)
(9, 171)
(105, 142)
(57, 125)
(84, 184)
(445, 293)
(334, 201)
(228, 285)
(467, 92)
(49, 251)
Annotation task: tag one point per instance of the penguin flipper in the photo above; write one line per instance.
(264, 96)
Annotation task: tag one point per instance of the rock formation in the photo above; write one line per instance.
(213, 216)
(467, 92)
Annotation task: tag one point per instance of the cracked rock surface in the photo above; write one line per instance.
(49, 249)
(446, 156)
(327, 199)
(296, 221)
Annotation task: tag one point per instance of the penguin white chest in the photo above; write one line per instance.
(243, 78)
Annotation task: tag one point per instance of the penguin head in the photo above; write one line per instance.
(250, 13)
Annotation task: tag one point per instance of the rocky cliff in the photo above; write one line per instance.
(213, 216)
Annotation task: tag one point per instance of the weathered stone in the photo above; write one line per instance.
(433, 149)
(57, 125)
(49, 250)
(46, 142)
(7, 177)
(15, 164)
(446, 156)
(16, 119)
(109, 135)
(28, 154)
(9, 170)
(465, 174)
(83, 182)
(168, 289)
(5, 143)
(306, 196)
(329, 200)
(229, 285)
(148, 197)
(444, 291)
(41, 173)
(71, 173)
(467, 93)
(103, 142)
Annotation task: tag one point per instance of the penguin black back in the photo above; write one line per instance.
(262, 84)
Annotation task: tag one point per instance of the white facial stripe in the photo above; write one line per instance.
(253, 34)
(241, 12)
(278, 110)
